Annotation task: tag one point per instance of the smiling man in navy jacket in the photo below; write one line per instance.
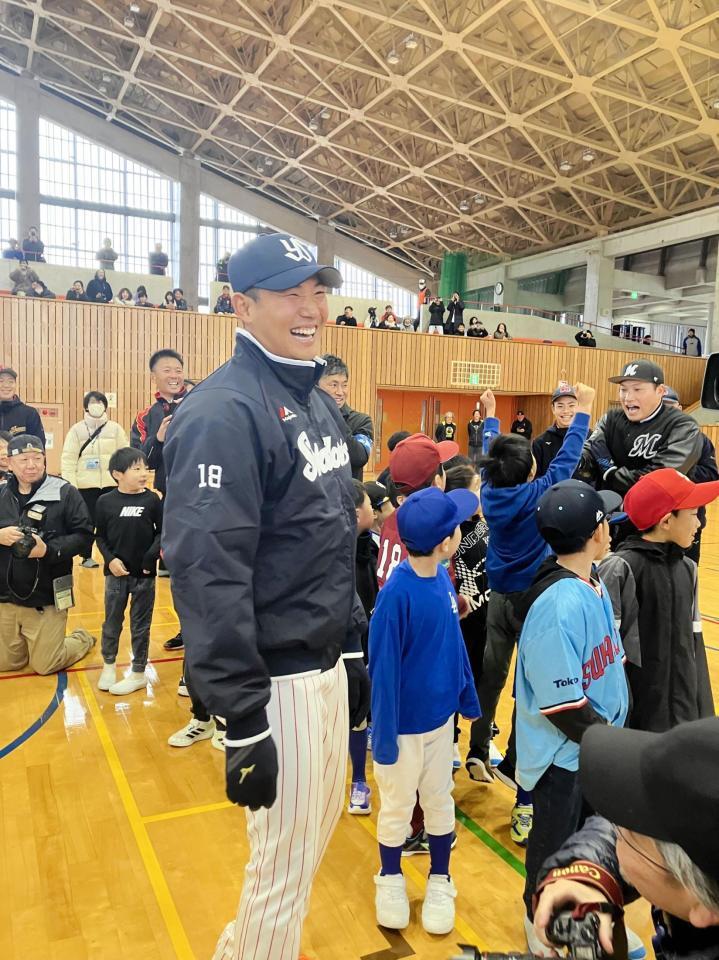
(259, 537)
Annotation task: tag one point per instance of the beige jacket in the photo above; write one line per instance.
(79, 470)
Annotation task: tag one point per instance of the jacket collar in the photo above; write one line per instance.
(656, 412)
(299, 376)
(662, 551)
(44, 490)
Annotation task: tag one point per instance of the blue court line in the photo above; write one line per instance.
(42, 719)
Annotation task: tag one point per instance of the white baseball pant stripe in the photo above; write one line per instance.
(310, 724)
(424, 764)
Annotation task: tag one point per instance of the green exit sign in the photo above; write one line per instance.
(635, 295)
(474, 379)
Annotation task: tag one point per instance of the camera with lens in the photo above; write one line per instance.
(576, 930)
(31, 522)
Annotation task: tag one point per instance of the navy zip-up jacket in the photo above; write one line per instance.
(259, 532)
(143, 434)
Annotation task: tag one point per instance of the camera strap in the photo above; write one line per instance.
(8, 577)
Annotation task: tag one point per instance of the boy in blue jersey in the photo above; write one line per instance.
(420, 677)
(510, 493)
(570, 672)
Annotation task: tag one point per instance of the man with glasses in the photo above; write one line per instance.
(44, 524)
(659, 793)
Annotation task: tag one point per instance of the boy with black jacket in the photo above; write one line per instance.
(128, 522)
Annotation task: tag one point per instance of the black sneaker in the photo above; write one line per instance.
(174, 643)
(504, 771)
(495, 730)
(417, 843)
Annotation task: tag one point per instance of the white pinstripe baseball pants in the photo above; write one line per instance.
(310, 725)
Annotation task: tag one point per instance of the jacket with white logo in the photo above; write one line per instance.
(259, 531)
(667, 438)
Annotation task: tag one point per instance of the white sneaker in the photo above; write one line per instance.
(456, 758)
(479, 770)
(438, 906)
(108, 677)
(390, 902)
(495, 755)
(194, 731)
(535, 945)
(218, 739)
(131, 683)
(635, 947)
(89, 564)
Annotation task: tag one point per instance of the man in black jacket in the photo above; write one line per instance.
(660, 795)
(548, 444)
(33, 615)
(643, 434)
(259, 537)
(15, 416)
(359, 432)
(150, 426)
(521, 426)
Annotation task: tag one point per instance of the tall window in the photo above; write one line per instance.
(89, 193)
(222, 229)
(361, 283)
(8, 172)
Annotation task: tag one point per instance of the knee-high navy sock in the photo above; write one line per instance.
(524, 797)
(439, 851)
(358, 754)
(391, 858)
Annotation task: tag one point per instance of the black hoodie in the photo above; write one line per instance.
(17, 417)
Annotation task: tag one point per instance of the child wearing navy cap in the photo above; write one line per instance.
(420, 677)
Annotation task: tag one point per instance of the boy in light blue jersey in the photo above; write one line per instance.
(570, 672)
(421, 677)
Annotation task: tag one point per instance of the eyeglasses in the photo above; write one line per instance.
(632, 846)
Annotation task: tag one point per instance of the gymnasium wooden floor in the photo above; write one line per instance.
(117, 846)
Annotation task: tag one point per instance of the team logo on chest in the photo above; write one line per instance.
(321, 460)
(645, 446)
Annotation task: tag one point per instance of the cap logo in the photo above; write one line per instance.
(630, 369)
(600, 516)
(297, 251)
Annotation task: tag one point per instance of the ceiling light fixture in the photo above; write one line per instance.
(393, 58)
(464, 206)
(411, 42)
(106, 78)
(268, 161)
(129, 21)
(714, 104)
(325, 114)
(102, 88)
(134, 8)
(565, 166)
(479, 198)
(393, 234)
(588, 156)
(313, 124)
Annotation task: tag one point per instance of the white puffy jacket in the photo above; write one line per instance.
(74, 467)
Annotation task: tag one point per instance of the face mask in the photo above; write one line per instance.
(96, 410)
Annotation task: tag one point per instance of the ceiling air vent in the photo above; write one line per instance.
(470, 373)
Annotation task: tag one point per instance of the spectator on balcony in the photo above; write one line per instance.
(142, 299)
(477, 328)
(169, 301)
(347, 318)
(106, 256)
(23, 278)
(455, 312)
(459, 330)
(408, 325)
(371, 318)
(646, 340)
(501, 333)
(224, 301)
(436, 316)
(691, 345)
(585, 337)
(180, 303)
(221, 269)
(32, 247)
(40, 289)
(77, 291)
(124, 298)
(392, 323)
(389, 312)
(12, 251)
(98, 289)
(158, 261)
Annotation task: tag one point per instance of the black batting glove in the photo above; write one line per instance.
(358, 690)
(251, 774)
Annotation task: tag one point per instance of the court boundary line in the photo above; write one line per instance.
(38, 724)
(153, 869)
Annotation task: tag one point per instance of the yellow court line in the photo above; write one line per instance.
(155, 874)
(466, 932)
(187, 812)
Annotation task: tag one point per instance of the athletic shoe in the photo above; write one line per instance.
(218, 738)
(479, 770)
(131, 683)
(635, 948)
(536, 947)
(182, 690)
(369, 737)
(495, 731)
(89, 564)
(163, 572)
(174, 643)
(108, 677)
(521, 823)
(360, 804)
(194, 731)
(456, 759)
(417, 843)
(504, 772)
(495, 755)
(438, 906)
(391, 902)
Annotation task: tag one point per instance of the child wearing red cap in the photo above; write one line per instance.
(671, 684)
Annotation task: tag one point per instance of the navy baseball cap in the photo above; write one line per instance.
(670, 394)
(574, 509)
(277, 261)
(640, 370)
(428, 516)
(564, 391)
(24, 443)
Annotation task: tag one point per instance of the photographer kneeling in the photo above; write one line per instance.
(44, 523)
(659, 793)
